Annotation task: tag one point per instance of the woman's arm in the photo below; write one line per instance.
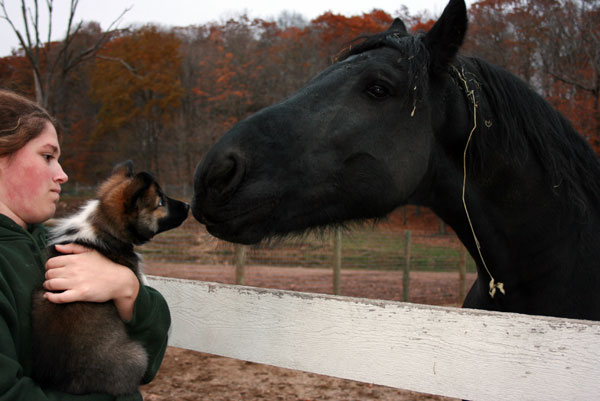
(71, 274)
(15, 384)
(144, 309)
(150, 326)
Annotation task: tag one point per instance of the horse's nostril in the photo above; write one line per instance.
(219, 172)
(224, 174)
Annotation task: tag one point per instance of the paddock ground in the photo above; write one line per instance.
(190, 376)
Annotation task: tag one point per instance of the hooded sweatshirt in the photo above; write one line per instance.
(22, 260)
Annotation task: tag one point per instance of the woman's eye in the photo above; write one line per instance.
(378, 91)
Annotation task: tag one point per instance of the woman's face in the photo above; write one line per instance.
(30, 179)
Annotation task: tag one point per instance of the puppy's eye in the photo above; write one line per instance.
(160, 203)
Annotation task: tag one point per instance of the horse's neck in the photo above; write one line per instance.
(521, 225)
(521, 229)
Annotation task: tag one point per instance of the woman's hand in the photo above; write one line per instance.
(84, 274)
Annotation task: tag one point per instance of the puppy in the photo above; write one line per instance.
(83, 347)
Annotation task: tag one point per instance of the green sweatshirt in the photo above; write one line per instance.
(21, 270)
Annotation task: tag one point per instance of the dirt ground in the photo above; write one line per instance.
(190, 376)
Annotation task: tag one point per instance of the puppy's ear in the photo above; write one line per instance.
(136, 190)
(125, 169)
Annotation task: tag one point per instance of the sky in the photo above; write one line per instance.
(190, 12)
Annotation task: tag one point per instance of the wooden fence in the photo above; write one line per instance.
(467, 354)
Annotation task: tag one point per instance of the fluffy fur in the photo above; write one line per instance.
(84, 347)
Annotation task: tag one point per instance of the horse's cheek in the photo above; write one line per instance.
(412, 164)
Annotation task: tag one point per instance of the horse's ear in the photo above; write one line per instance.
(397, 27)
(446, 36)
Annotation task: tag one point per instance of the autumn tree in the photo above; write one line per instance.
(571, 59)
(554, 45)
(195, 131)
(15, 75)
(247, 65)
(163, 96)
(225, 77)
(490, 32)
(287, 59)
(51, 62)
(334, 31)
(136, 83)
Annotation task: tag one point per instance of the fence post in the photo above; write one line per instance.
(442, 227)
(240, 260)
(462, 274)
(337, 261)
(406, 274)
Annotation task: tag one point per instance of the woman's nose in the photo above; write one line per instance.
(61, 177)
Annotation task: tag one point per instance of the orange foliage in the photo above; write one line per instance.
(180, 89)
(136, 83)
(143, 72)
(422, 26)
(553, 45)
(335, 30)
(15, 74)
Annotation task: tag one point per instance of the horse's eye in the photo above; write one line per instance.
(378, 91)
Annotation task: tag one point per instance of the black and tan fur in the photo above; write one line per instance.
(83, 347)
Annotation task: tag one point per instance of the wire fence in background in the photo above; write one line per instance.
(377, 247)
(380, 246)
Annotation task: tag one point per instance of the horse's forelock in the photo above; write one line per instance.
(361, 44)
(412, 53)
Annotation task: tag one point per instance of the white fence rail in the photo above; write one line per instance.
(468, 354)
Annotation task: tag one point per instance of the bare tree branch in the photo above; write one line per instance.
(50, 5)
(573, 82)
(4, 16)
(33, 46)
(129, 67)
(71, 62)
(24, 15)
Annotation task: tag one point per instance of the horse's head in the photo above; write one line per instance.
(355, 143)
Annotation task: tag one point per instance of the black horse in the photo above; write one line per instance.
(403, 119)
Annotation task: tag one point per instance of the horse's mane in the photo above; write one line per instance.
(512, 118)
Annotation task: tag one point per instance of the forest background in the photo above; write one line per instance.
(162, 96)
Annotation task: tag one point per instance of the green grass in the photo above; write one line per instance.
(362, 248)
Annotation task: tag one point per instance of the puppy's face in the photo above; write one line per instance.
(158, 212)
(134, 207)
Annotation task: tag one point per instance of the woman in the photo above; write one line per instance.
(30, 180)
